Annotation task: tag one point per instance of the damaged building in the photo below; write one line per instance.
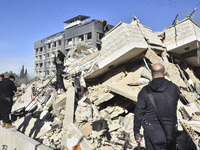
(75, 30)
(96, 111)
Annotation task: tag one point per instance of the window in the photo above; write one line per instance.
(49, 45)
(41, 49)
(89, 36)
(99, 35)
(54, 44)
(81, 38)
(36, 50)
(59, 42)
(69, 41)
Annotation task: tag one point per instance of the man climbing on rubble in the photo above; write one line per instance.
(61, 56)
(1, 88)
(59, 78)
(166, 95)
(7, 94)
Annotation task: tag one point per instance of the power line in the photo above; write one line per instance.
(198, 4)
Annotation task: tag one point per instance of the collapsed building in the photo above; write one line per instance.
(96, 111)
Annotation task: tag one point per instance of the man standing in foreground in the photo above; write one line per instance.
(1, 88)
(166, 95)
(8, 92)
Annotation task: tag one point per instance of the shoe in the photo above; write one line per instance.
(3, 124)
(9, 125)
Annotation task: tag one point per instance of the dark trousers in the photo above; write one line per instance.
(155, 138)
(6, 110)
(59, 83)
(1, 106)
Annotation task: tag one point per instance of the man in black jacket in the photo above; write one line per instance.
(59, 77)
(8, 92)
(1, 88)
(166, 95)
(61, 56)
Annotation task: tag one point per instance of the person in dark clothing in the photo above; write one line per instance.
(8, 91)
(1, 89)
(61, 56)
(166, 95)
(105, 26)
(59, 77)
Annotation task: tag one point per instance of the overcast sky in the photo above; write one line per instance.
(24, 21)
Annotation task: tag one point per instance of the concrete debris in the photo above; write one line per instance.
(96, 111)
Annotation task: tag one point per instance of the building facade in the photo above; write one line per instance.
(76, 30)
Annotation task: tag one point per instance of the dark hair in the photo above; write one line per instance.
(2, 76)
(11, 77)
(59, 51)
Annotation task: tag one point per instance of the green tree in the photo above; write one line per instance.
(26, 74)
(22, 74)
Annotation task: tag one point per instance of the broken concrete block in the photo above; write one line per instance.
(189, 96)
(117, 111)
(86, 129)
(75, 137)
(113, 127)
(83, 113)
(153, 57)
(174, 75)
(123, 89)
(104, 98)
(128, 123)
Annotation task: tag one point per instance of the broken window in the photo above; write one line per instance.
(41, 48)
(54, 44)
(69, 41)
(59, 43)
(41, 65)
(40, 57)
(81, 38)
(89, 36)
(99, 35)
(48, 55)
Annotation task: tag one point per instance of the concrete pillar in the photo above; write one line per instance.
(69, 112)
(69, 109)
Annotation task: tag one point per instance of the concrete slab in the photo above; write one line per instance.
(19, 141)
(122, 89)
(105, 97)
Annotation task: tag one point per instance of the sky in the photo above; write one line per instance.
(22, 22)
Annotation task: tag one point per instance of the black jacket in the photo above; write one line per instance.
(1, 87)
(61, 56)
(166, 95)
(59, 67)
(8, 88)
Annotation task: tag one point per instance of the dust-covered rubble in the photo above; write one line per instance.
(96, 111)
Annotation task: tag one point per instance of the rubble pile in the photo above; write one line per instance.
(96, 111)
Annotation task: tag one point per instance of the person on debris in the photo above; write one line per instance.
(166, 95)
(61, 56)
(105, 26)
(7, 94)
(59, 77)
(1, 89)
